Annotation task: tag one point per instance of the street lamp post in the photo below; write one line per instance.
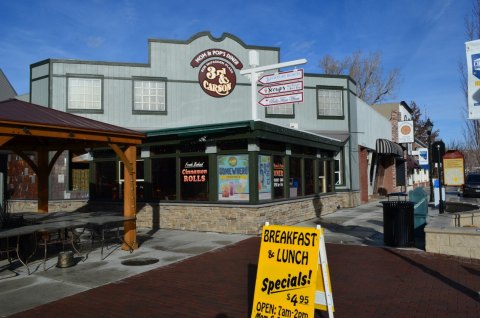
(429, 127)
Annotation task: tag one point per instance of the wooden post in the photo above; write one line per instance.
(130, 198)
(42, 185)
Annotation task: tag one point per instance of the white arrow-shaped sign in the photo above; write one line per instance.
(282, 77)
(281, 89)
(283, 99)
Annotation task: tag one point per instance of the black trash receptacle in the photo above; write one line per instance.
(398, 222)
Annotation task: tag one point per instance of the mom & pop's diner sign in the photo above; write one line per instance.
(288, 265)
(216, 75)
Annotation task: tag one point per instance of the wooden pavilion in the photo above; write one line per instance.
(26, 128)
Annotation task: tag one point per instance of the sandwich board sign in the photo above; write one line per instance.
(288, 274)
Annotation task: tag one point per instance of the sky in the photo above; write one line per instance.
(424, 39)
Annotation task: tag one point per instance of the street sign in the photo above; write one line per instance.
(282, 77)
(282, 99)
(281, 89)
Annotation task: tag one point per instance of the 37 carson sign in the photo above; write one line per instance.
(217, 75)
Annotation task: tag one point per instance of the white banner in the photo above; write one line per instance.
(473, 69)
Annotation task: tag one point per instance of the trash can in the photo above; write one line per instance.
(420, 210)
(398, 221)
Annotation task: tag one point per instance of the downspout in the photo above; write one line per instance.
(350, 151)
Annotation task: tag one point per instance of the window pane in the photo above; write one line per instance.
(284, 109)
(164, 178)
(295, 177)
(194, 178)
(149, 96)
(330, 102)
(84, 93)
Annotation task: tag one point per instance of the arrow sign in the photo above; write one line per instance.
(282, 77)
(281, 89)
(282, 99)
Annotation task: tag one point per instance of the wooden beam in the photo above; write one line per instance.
(42, 184)
(5, 139)
(27, 159)
(130, 198)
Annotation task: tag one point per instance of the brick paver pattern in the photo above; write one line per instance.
(366, 282)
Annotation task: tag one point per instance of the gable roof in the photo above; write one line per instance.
(6, 89)
(30, 123)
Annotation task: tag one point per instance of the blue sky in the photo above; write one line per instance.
(425, 39)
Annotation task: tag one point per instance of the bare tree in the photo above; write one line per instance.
(420, 125)
(471, 131)
(373, 86)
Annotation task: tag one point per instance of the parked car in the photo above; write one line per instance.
(472, 185)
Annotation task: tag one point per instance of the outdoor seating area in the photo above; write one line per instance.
(46, 235)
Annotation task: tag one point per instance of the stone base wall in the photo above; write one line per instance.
(222, 218)
(455, 234)
(16, 206)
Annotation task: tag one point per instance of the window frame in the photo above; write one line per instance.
(330, 88)
(85, 110)
(149, 112)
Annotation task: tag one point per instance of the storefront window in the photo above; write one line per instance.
(325, 176)
(164, 178)
(309, 176)
(295, 177)
(106, 185)
(264, 177)
(194, 178)
(79, 171)
(140, 181)
(338, 169)
(278, 173)
(233, 178)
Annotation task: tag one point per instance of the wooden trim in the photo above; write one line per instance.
(5, 139)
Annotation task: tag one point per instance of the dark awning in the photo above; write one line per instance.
(388, 147)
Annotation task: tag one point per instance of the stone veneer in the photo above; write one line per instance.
(455, 234)
(222, 218)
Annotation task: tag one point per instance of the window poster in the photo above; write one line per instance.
(233, 178)
(264, 177)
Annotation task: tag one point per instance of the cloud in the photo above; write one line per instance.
(95, 41)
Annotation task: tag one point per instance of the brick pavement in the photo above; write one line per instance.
(366, 282)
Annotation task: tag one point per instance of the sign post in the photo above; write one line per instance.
(254, 73)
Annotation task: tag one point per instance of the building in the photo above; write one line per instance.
(210, 163)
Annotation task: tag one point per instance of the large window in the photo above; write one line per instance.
(264, 177)
(106, 185)
(140, 181)
(149, 96)
(164, 178)
(295, 177)
(278, 175)
(79, 171)
(309, 176)
(339, 169)
(84, 94)
(329, 102)
(233, 178)
(194, 178)
(284, 110)
(325, 176)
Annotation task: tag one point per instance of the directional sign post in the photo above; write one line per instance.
(254, 72)
(282, 99)
(282, 77)
(282, 88)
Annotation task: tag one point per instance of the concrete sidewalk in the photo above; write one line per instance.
(19, 291)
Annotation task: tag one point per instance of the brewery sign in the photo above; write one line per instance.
(216, 74)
